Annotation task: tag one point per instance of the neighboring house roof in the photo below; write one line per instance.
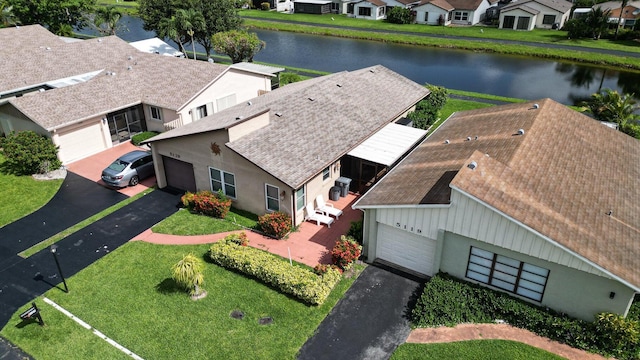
(257, 68)
(561, 178)
(377, 3)
(522, 7)
(611, 5)
(156, 46)
(442, 4)
(118, 76)
(467, 4)
(313, 122)
(561, 6)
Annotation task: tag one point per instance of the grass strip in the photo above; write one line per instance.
(473, 349)
(81, 225)
(185, 223)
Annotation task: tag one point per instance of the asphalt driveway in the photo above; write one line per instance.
(370, 321)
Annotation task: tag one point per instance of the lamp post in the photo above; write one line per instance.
(54, 249)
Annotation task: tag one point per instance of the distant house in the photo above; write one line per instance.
(530, 14)
(433, 12)
(279, 151)
(630, 13)
(370, 9)
(90, 95)
(536, 200)
(278, 5)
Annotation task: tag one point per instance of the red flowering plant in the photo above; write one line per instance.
(276, 224)
(322, 269)
(207, 203)
(345, 252)
(238, 238)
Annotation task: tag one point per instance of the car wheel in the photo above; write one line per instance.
(134, 180)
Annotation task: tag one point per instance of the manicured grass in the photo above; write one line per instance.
(485, 96)
(22, 195)
(185, 223)
(129, 296)
(454, 105)
(473, 350)
(66, 232)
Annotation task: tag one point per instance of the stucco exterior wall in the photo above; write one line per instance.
(574, 292)
(317, 186)
(434, 14)
(168, 115)
(375, 11)
(517, 13)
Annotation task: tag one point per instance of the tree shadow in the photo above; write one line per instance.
(168, 286)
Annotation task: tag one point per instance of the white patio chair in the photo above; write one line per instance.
(313, 215)
(327, 208)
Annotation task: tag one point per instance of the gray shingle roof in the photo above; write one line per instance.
(560, 178)
(346, 109)
(559, 5)
(158, 80)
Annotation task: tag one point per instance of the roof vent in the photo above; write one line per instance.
(446, 141)
(47, 48)
(113, 73)
(536, 106)
(520, 132)
(468, 138)
(339, 85)
(279, 114)
(372, 71)
(476, 137)
(129, 57)
(472, 165)
(41, 90)
(239, 117)
(610, 212)
(129, 68)
(108, 73)
(312, 99)
(249, 103)
(99, 40)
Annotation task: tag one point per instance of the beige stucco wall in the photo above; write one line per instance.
(434, 14)
(316, 186)
(574, 292)
(156, 125)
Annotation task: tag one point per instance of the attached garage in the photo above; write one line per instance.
(414, 252)
(179, 174)
(78, 142)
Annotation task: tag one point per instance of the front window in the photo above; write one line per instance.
(549, 19)
(523, 23)
(508, 22)
(201, 111)
(221, 180)
(301, 198)
(272, 197)
(426, 17)
(364, 11)
(326, 173)
(156, 113)
(507, 274)
(461, 16)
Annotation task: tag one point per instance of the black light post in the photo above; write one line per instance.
(54, 249)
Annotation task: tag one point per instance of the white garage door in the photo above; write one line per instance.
(408, 250)
(80, 141)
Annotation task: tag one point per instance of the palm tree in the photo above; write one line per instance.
(623, 5)
(188, 274)
(106, 19)
(190, 22)
(598, 21)
(609, 105)
(170, 28)
(7, 17)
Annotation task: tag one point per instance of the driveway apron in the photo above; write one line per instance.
(370, 321)
(21, 280)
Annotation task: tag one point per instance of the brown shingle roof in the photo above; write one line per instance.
(559, 5)
(346, 109)
(465, 4)
(560, 178)
(159, 80)
(442, 4)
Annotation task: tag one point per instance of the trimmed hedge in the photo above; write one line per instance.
(449, 301)
(300, 282)
(205, 202)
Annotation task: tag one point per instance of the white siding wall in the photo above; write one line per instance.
(517, 13)
(434, 14)
(374, 11)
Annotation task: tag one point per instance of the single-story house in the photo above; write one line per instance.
(278, 5)
(370, 9)
(312, 6)
(468, 12)
(433, 12)
(530, 14)
(280, 150)
(536, 200)
(90, 95)
(630, 13)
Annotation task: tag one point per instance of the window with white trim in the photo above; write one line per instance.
(301, 198)
(507, 274)
(364, 11)
(548, 19)
(272, 197)
(222, 180)
(201, 111)
(156, 113)
(326, 173)
(461, 16)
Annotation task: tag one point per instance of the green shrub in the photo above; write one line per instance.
(276, 224)
(288, 78)
(138, 138)
(238, 238)
(345, 252)
(355, 231)
(187, 273)
(427, 110)
(29, 153)
(295, 280)
(399, 15)
(207, 203)
(265, 6)
(450, 301)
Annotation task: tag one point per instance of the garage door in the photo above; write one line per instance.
(179, 174)
(80, 141)
(405, 249)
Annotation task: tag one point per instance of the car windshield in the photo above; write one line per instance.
(118, 165)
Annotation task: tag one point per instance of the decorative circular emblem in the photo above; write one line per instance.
(215, 148)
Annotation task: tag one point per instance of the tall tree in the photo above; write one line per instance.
(623, 5)
(170, 28)
(106, 19)
(59, 16)
(238, 45)
(7, 17)
(219, 16)
(190, 21)
(609, 105)
(598, 21)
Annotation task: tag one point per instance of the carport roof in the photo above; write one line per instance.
(389, 144)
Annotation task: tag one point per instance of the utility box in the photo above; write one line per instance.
(334, 193)
(343, 183)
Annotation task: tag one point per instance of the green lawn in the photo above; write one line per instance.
(185, 223)
(22, 195)
(473, 350)
(129, 296)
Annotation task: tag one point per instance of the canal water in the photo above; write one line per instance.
(504, 75)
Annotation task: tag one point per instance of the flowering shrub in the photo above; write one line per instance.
(276, 224)
(238, 238)
(276, 271)
(345, 252)
(207, 203)
(322, 269)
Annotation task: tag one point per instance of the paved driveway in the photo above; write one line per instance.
(369, 322)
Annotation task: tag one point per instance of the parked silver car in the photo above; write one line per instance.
(129, 169)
